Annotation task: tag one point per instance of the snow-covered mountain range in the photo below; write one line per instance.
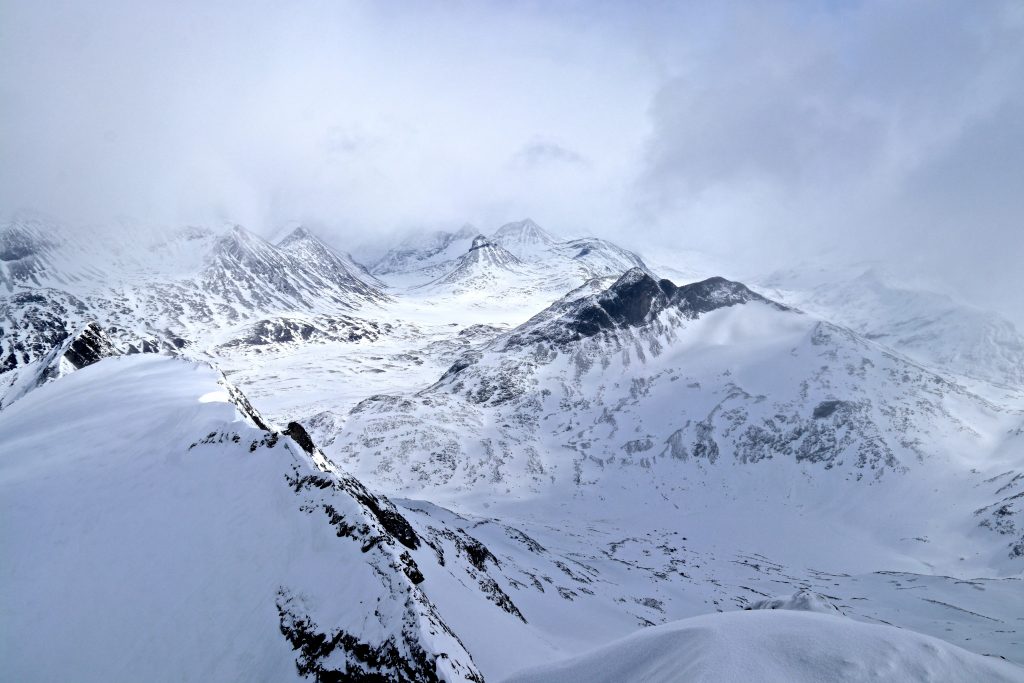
(928, 327)
(184, 289)
(487, 452)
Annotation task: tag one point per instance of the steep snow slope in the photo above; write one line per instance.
(930, 328)
(144, 487)
(775, 646)
(542, 263)
(295, 236)
(425, 251)
(154, 528)
(334, 268)
(195, 511)
(578, 459)
(190, 288)
(77, 351)
(483, 265)
(704, 391)
(524, 238)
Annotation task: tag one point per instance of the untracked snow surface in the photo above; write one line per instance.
(153, 529)
(783, 645)
(496, 452)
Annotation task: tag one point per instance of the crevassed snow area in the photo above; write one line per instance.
(775, 645)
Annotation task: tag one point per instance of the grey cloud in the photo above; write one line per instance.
(882, 131)
(764, 131)
(537, 153)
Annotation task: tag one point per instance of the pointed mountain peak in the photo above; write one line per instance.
(466, 231)
(234, 235)
(486, 251)
(484, 259)
(626, 303)
(520, 225)
(525, 231)
(481, 241)
(633, 300)
(642, 280)
(524, 238)
(89, 346)
(236, 231)
(631, 278)
(317, 257)
(239, 243)
(300, 235)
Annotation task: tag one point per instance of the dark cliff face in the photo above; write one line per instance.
(382, 509)
(16, 245)
(627, 303)
(89, 347)
(42, 317)
(636, 298)
(634, 301)
(24, 254)
(714, 293)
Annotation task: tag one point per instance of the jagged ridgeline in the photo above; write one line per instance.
(186, 289)
(237, 532)
(648, 382)
(225, 458)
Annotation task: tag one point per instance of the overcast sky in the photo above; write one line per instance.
(766, 131)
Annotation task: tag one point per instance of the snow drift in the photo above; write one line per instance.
(156, 527)
(782, 645)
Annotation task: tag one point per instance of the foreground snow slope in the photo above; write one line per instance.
(776, 645)
(606, 465)
(154, 528)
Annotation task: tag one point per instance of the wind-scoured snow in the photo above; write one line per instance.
(703, 390)
(576, 449)
(928, 327)
(155, 530)
(796, 647)
(193, 287)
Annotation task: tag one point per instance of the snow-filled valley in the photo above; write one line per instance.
(491, 455)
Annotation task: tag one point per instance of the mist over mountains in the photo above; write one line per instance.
(503, 432)
(766, 134)
(422, 342)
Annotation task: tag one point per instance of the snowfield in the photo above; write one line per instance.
(153, 532)
(488, 453)
(796, 647)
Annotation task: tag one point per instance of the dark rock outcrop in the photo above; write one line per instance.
(634, 300)
(90, 346)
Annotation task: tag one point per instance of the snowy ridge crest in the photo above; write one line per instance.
(204, 284)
